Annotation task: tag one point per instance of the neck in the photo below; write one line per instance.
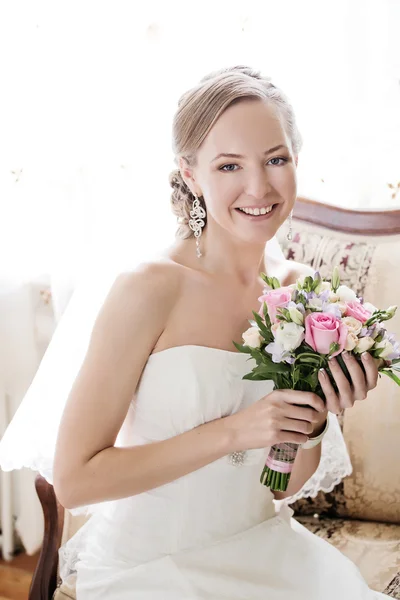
(224, 255)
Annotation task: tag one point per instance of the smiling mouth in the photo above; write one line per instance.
(257, 213)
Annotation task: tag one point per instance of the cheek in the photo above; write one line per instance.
(222, 191)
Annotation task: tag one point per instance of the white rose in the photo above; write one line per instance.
(346, 294)
(351, 341)
(296, 315)
(290, 336)
(387, 348)
(352, 324)
(369, 307)
(252, 337)
(364, 344)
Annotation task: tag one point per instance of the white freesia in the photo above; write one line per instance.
(342, 307)
(346, 294)
(387, 348)
(296, 316)
(352, 324)
(364, 344)
(289, 336)
(325, 286)
(251, 337)
(315, 303)
(351, 342)
(333, 297)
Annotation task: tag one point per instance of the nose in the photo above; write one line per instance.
(258, 184)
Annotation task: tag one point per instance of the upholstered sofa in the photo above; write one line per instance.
(361, 515)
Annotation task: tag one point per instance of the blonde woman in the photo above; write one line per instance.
(160, 432)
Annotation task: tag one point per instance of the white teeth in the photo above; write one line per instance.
(257, 211)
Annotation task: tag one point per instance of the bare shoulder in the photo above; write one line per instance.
(140, 301)
(150, 282)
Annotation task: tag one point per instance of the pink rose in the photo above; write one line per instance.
(356, 310)
(324, 329)
(275, 299)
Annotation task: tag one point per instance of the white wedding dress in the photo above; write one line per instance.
(213, 534)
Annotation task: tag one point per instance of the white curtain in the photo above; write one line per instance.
(89, 89)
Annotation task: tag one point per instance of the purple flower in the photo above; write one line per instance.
(299, 307)
(279, 354)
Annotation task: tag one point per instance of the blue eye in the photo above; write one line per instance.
(285, 160)
(227, 169)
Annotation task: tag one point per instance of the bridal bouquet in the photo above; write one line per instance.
(297, 330)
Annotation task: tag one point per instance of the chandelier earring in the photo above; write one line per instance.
(290, 232)
(196, 222)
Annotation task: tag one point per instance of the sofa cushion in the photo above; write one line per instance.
(370, 428)
(373, 547)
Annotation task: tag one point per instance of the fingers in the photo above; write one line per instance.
(371, 370)
(332, 399)
(303, 413)
(296, 425)
(306, 398)
(291, 437)
(357, 377)
(344, 387)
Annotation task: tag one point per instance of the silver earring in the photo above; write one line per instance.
(196, 223)
(290, 232)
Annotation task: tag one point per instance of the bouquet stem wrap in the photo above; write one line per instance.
(279, 466)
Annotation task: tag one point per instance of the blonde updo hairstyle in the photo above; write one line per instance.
(199, 109)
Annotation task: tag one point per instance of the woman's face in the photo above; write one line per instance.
(246, 171)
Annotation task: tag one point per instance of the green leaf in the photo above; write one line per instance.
(312, 379)
(391, 375)
(266, 315)
(242, 348)
(267, 334)
(272, 282)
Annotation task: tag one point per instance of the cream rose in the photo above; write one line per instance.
(364, 344)
(252, 338)
(289, 336)
(351, 342)
(352, 324)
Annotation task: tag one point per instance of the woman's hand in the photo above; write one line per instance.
(281, 416)
(348, 392)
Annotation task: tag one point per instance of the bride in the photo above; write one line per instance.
(160, 438)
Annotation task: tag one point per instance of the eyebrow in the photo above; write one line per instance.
(230, 155)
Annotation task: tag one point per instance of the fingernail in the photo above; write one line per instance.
(365, 356)
(323, 373)
(346, 355)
